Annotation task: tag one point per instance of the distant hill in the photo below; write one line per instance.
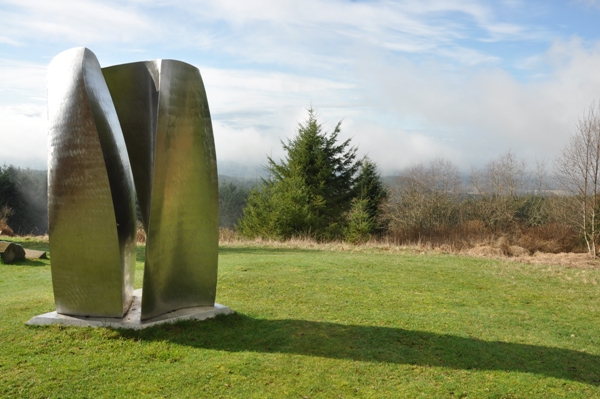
(243, 182)
(243, 171)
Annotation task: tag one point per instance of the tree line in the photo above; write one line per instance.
(24, 201)
(322, 190)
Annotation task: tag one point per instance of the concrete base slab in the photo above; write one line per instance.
(131, 320)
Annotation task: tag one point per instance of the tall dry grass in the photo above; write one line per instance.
(549, 238)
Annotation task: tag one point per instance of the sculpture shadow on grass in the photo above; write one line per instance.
(240, 333)
(27, 262)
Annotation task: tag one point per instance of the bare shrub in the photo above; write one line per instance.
(509, 193)
(140, 233)
(510, 202)
(578, 171)
(424, 201)
(550, 238)
(5, 213)
(227, 235)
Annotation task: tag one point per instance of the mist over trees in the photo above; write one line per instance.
(24, 199)
(425, 200)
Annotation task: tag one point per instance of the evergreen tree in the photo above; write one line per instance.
(360, 223)
(232, 199)
(370, 188)
(309, 192)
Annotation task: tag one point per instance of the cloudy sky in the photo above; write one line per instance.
(411, 80)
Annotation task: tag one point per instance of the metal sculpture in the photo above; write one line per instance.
(91, 204)
(164, 114)
(145, 124)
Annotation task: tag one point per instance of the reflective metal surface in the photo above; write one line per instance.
(163, 111)
(91, 196)
(134, 90)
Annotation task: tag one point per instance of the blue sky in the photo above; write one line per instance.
(411, 80)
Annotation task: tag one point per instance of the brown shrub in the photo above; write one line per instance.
(5, 213)
(550, 238)
(227, 235)
(140, 233)
(503, 245)
(5, 230)
(515, 250)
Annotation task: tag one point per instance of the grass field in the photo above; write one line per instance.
(325, 324)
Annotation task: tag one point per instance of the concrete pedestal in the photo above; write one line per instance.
(132, 318)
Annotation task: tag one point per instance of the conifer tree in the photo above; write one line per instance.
(370, 188)
(309, 192)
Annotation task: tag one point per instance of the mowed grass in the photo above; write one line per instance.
(325, 324)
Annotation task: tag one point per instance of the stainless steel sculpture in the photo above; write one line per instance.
(164, 113)
(153, 116)
(91, 206)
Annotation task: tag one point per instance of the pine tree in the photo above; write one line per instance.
(232, 200)
(365, 217)
(309, 192)
(360, 224)
(371, 188)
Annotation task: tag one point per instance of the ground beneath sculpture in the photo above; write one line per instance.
(131, 320)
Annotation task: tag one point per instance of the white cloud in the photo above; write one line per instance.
(399, 113)
(413, 80)
(22, 80)
(589, 3)
(23, 137)
(477, 113)
(247, 146)
(85, 21)
(303, 33)
(252, 111)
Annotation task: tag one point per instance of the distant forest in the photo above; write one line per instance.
(322, 191)
(428, 203)
(24, 199)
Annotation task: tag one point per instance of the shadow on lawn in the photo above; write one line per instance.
(239, 333)
(26, 262)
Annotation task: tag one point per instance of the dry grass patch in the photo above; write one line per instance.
(499, 248)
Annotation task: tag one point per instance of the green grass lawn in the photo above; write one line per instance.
(325, 324)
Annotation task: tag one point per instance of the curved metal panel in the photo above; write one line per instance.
(183, 231)
(134, 90)
(171, 142)
(90, 201)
